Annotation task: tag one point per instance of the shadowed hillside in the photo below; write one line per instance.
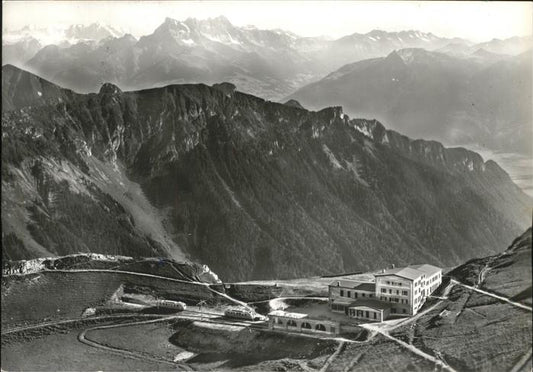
(252, 188)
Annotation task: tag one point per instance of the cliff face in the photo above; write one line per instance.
(252, 188)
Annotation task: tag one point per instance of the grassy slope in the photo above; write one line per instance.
(55, 295)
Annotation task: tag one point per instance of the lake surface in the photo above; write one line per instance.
(518, 166)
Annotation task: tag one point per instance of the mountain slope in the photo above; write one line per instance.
(432, 95)
(252, 188)
(20, 52)
(20, 89)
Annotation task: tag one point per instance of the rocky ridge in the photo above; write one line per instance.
(254, 189)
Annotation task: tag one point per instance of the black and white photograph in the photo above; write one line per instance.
(265, 186)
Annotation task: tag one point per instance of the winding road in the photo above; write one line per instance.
(374, 329)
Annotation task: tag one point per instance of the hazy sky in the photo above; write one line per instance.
(478, 21)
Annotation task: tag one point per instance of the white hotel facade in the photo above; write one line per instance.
(395, 291)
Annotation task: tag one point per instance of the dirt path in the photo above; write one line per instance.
(130, 354)
(354, 361)
(126, 272)
(505, 299)
(206, 285)
(411, 348)
(332, 357)
(240, 303)
(67, 321)
(195, 316)
(522, 362)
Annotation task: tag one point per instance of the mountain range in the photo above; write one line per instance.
(461, 93)
(252, 188)
(267, 63)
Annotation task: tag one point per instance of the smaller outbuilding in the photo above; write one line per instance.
(297, 322)
(372, 310)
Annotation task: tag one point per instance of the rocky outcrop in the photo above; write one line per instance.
(93, 261)
(294, 103)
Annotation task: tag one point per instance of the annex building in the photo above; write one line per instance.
(395, 291)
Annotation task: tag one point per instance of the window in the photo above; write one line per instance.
(404, 311)
(320, 327)
(375, 316)
(367, 315)
(397, 292)
(404, 293)
(349, 294)
(396, 300)
(390, 291)
(388, 282)
(342, 293)
(355, 294)
(362, 295)
(383, 290)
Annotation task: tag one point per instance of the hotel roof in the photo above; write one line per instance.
(352, 284)
(411, 272)
(374, 304)
(427, 269)
(404, 272)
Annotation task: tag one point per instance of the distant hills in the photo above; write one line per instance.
(252, 188)
(481, 98)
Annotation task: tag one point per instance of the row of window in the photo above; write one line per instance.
(292, 323)
(393, 310)
(363, 314)
(393, 283)
(404, 293)
(435, 278)
(355, 294)
(393, 299)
